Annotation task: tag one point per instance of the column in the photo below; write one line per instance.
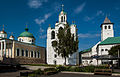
(1, 49)
(8, 50)
(11, 52)
(37, 54)
(4, 48)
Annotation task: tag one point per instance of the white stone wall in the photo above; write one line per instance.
(105, 33)
(103, 49)
(26, 40)
(50, 51)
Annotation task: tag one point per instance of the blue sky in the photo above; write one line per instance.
(38, 14)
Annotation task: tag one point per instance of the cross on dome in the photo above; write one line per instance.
(62, 7)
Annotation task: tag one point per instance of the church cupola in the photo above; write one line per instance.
(26, 37)
(106, 29)
(3, 34)
(11, 37)
(63, 16)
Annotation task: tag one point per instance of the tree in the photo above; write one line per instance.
(114, 50)
(66, 44)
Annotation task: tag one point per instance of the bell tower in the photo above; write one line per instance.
(107, 29)
(63, 16)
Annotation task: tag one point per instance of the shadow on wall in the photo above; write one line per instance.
(74, 59)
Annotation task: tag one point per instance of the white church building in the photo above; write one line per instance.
(52, 56)
(98, 54)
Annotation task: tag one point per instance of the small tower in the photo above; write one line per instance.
(106, 29)
(11, 37)
(3, 34)
(26, 37)
(63, 16)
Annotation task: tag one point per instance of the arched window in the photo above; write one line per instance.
(105, 27)
(35, 54)
(31, 53)
(102, 49)
(38, 54)
(109, 27)
(64, 18)
(53, 35)
(20, 39)
(55, 56)
(32, 40)
(17, 52)
(26, 53)
(22, 52)
(55, 62)
(61, 18)
(60, 28)
(106, 49)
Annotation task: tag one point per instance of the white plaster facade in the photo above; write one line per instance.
(99, 50)
(52, 56)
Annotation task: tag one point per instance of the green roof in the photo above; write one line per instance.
(111, 40)
(86, 50)
(26, 34)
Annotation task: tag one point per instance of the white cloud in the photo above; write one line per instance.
(40, 21)
(42, 36)
(80, 8)
(98, 13)
(87, 35)
(41, 30)
(88, 18)
(117, 8)
(36, 3)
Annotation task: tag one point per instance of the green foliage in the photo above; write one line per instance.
(67, 43)
(60, 68)
(39, 72)
(80, 69)
(50, 70)
(114, 50)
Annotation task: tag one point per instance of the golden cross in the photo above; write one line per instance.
(11, 33)
(73, 22)
(49, 25)
(26, 25)
(62, 7)
(3, 26)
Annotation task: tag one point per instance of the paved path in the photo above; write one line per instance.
(12, 74)
(76, 75)
(34, 67)
(62, 74)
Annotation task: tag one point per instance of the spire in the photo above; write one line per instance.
(3, 27)
(49, 25)
(107, 20)
(62, 7)
(26, 29)
(73, 22)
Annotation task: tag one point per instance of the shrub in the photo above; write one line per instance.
(39, 72)
(60, 68)
(50, 70)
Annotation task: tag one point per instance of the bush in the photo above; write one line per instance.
(39, 72)
(50, 70)
(60, 68)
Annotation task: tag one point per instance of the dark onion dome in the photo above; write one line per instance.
(26, 34)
